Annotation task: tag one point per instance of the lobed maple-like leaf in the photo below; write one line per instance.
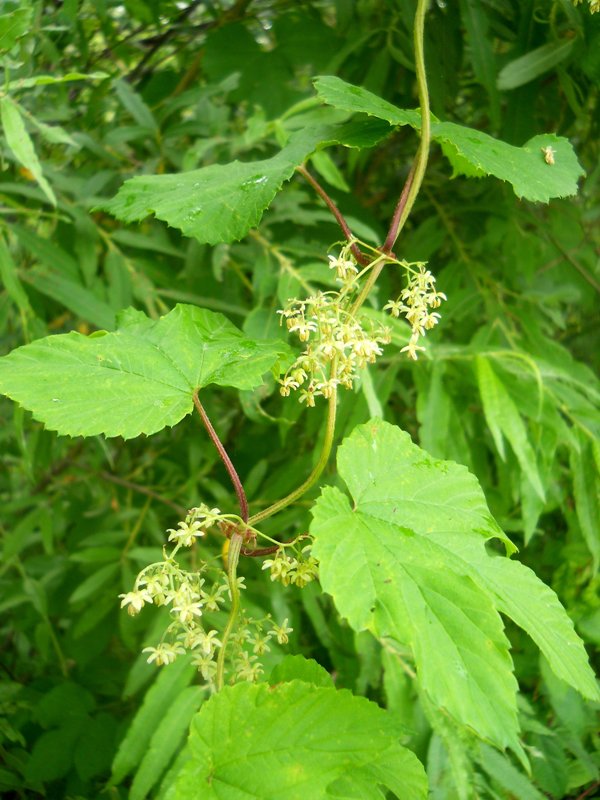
(407, 560)
(137, 379)
(295, 741)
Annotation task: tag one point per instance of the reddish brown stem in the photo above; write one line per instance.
(360, 257)
(393, 231)
(235, 478)
(260, 551)
(588, 791)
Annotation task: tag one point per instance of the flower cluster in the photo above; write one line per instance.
(337, 344)
(415, 303)
(195, 525)
(297, 570)
(188, 596)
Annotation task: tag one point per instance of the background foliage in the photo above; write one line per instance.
(96, 92)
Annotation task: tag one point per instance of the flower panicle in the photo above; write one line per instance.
(188, 595)
(336, 344)
(415, 303)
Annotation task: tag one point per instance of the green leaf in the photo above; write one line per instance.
(135, 105)
(476, 23)
(508, 776)
(171, 682)
(336, 92)
(504, 420)
(533, 606)
(408, 590)
(14, 25)
(94, 582)
(586, 488)
(219, 203)
(523, 167)
(138, 379)
(76, 298)
(300, 668)
(52, 133)
(533, 64)
(291, 742)
(48, 80)
(95, 748)
(472, 152)
(408, 561)
(21, 145)
(10, 279)
(166, 741)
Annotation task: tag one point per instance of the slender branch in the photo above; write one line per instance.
(361, 257)
(136, 487)
(235, 478)
(589, 790)
(319, 466)
(404, 206)
(233, 557)
(581, 270)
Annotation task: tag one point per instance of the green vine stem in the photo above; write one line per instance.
(319, 466)
(233, 557)
(415, 177)
(422, 157)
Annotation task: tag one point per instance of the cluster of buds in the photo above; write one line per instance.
(337, 344)
(298, 570)
(188, 595)
(415, 303)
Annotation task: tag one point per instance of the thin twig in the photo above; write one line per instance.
(136, 487)
(235, 478)
(589, 790)
(361, 257)
(57, 468)
(568, 257)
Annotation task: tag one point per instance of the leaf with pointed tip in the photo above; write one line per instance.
(339, 94)
(220, 203)
(19, 141)
(470, 151)
(504, 420)
(291, 742)
(409, 590)
(408, 561)
(137, 379)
